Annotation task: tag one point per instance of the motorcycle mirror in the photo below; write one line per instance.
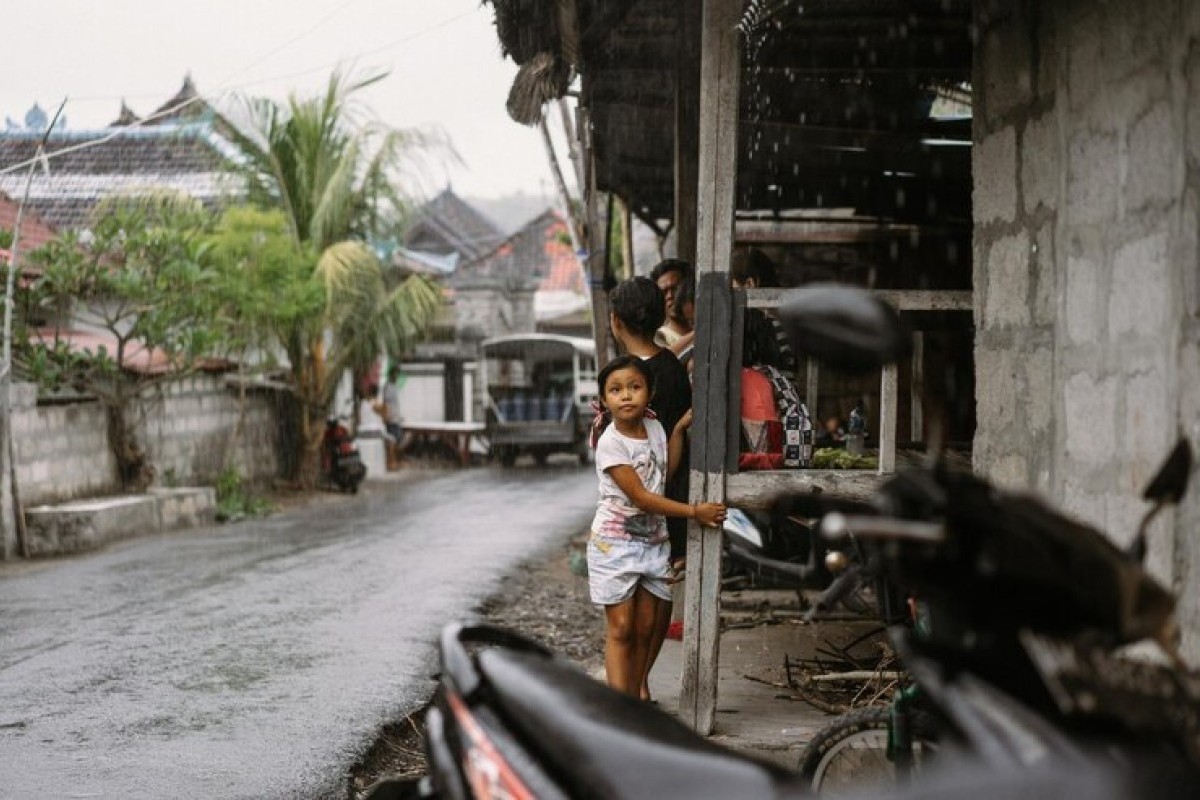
(1168, 486)
(844, 326)
(1171, 482)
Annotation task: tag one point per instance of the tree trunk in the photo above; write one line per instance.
(133, 466)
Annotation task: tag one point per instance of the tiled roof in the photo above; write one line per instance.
(539, 255)
(190, 158)
(34, 231)
(447, 224)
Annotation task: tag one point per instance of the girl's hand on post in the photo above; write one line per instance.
(685, 421)
(710, 515)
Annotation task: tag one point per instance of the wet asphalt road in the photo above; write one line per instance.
(255, 660)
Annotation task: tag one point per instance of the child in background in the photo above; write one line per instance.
(628, 551)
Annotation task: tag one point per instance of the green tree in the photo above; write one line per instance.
(334, 179)
(141, 282)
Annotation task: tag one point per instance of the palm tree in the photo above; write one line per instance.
(334, 176)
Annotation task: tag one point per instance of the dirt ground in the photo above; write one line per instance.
(544, 600)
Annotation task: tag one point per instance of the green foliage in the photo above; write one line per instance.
(6, 239)
(143, 282)
(234, 501)
(838, 458)
(325, 301)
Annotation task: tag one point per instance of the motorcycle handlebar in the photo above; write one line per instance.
(840, 526)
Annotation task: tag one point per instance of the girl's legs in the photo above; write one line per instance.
(646, 610)
(662, 621)
(629, 637)
(620, 645)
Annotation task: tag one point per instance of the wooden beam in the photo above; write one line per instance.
(596, 233)
(687, 128)
(720, 79)
(916, 388)
(833, 231)
(900, 299)
(757, 490)
(889, 399)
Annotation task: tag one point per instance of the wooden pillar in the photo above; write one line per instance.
(889, 395)
(720, 68)
(812, 389)
(687, 127)
(597, 258)
(916, 389)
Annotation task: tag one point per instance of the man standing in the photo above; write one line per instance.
(391, 416)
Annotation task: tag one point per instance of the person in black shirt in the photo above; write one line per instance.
(638, 310)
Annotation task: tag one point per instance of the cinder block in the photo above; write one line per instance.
(1139, 300)
(1037, 385)
(1082, 36)
(1090, 410)
(1007, 67)
(185, 507)
(994, 169)
(1156, 168)
(1040, 163)
(1093, 172)
(1149, 424)
(996, 390)
(1044, 271)
(1083, 299)
(1007, 301)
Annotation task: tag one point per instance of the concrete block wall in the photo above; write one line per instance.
(62, 451)
(1087, 205)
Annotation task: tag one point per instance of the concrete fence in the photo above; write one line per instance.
(62, 450)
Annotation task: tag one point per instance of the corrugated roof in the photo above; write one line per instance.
(34, 230)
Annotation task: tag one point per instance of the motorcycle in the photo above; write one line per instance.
(1016, 652)
(341, 464)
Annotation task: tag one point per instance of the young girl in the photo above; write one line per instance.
(628, 552)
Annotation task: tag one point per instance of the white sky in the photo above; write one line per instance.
(444, 59)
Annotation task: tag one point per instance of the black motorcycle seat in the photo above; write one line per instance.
(596, 742)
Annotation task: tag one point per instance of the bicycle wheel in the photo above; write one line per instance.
(851, 753)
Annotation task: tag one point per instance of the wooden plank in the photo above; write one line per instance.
(916, 388)
(889, 397)
(812, 389)
(900, 299)
(833, 231)
(596, 257)
(687, 128)
(720, 68)
(733, 421)
(756, 490)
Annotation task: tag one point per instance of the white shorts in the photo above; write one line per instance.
(616, 567)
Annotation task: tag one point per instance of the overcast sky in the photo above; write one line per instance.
(444, 60)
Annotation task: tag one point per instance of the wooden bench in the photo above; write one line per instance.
(454, 435)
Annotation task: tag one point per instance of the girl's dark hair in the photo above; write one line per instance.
(640, 305)
(603, 415)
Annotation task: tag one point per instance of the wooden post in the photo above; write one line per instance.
(889, 391)
(597, 258)
(916, 389)
(687, 127)
(812, 389)
(720, 67)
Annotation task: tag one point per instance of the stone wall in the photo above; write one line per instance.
(1087, 176)
(62, 451)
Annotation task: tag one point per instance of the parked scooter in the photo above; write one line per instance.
(341, 464)
(1017, 653)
